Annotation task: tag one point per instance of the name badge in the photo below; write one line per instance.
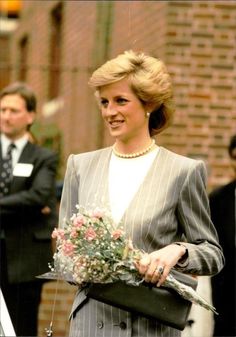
(23, 170)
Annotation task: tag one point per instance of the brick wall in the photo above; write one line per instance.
(4, 60)
(201, 55)
(196, 39)
(56, 302)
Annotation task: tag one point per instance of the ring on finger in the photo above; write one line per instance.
(160, 270)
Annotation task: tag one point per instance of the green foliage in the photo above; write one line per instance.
(49, 136)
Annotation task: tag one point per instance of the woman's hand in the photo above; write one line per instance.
(156, 266)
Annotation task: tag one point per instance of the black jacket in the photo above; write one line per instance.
(222, 203)
(26, 229)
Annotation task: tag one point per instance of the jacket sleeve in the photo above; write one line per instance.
(205, 253)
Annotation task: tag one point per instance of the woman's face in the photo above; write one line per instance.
(123, 112)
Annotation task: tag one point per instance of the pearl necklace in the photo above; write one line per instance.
(135, 154)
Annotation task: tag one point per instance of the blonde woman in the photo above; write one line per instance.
(159, 196)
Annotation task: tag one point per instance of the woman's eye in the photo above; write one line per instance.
(121, 101)
(104, 103)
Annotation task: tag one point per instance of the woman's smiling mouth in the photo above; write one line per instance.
(115, 123)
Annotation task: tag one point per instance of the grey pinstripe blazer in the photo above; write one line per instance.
(170, 205)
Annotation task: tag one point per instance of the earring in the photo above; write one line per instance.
(147, 114)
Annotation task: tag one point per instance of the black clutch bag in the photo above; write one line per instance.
(162, 304)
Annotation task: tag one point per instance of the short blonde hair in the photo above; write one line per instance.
(149, 80)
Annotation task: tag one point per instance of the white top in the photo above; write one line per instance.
(125, 177)
(16, 152)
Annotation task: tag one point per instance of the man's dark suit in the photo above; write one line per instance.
(222, 203)
(26, 245)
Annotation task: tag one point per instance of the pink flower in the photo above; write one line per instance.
(78, 221)
(90, 234)
(73, 233)
(58, 234)
(117, 234)
(97, 214)
(68, 248)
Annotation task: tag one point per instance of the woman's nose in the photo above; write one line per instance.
(111, 111)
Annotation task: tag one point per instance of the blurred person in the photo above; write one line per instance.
(157, 195)
(27, 184)
(32, 139)
(223, 212)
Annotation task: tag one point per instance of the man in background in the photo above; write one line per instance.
(27, 185)
(223, 210)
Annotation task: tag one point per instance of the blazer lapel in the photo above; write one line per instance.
(143, 189)
(93, 188)
(26, 157)
(148, 183)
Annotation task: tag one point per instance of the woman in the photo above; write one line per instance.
(158, 196)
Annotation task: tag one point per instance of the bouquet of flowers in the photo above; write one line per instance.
(91, 250)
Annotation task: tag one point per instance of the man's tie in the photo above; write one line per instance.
(6, 172)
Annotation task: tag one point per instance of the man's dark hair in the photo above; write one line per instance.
(232, 145)
(23, 90)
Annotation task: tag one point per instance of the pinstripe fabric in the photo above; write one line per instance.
(170, 205)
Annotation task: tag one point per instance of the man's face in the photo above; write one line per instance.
(14, 116)
(233, 160)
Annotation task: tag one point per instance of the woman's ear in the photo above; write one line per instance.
(149, 107)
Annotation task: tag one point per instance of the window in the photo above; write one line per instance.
(55, 52)
(23, 58)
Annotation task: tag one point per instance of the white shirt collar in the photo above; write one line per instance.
(19, 143)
